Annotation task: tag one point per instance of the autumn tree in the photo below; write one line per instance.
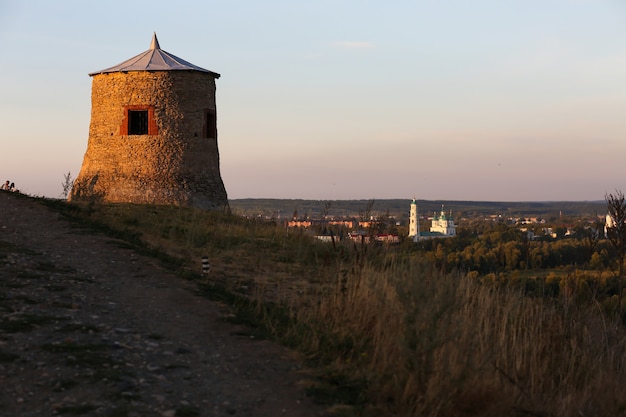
(590, 237)
(325, 209)
(616, 231)
(366, 214)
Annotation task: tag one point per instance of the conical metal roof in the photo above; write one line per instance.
(155, 59)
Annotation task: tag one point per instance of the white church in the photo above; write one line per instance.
(441, 225)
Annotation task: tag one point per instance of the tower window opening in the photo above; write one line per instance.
(210, 124)
(137, 122)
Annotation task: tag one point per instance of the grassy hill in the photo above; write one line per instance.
(387, 332)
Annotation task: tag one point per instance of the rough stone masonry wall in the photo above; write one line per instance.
(176, 166)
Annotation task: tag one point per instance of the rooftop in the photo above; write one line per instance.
(154, 59)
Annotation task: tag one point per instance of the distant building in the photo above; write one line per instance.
(327, 238)
(299, 223)
(442, 226)
(350, 224)
(389, 238)
(367, 223)
(359, 236)
(414, 225)
(609, 222)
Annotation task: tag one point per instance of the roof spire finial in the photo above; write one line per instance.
(155, 42)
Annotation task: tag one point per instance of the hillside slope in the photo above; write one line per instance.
(89, 327)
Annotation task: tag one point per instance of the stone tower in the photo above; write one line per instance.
(153, 134)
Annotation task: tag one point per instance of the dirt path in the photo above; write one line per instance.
(90, 328)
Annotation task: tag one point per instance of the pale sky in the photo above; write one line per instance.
(494, 100)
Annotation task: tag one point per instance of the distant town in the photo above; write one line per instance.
(390, 221)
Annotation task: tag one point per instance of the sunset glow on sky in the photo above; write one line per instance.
(492, 100)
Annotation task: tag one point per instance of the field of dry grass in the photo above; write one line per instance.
(389, 333)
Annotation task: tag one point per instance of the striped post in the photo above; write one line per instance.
(206, 267)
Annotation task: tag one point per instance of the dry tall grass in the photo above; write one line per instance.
(400, 337)
(434, 344)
